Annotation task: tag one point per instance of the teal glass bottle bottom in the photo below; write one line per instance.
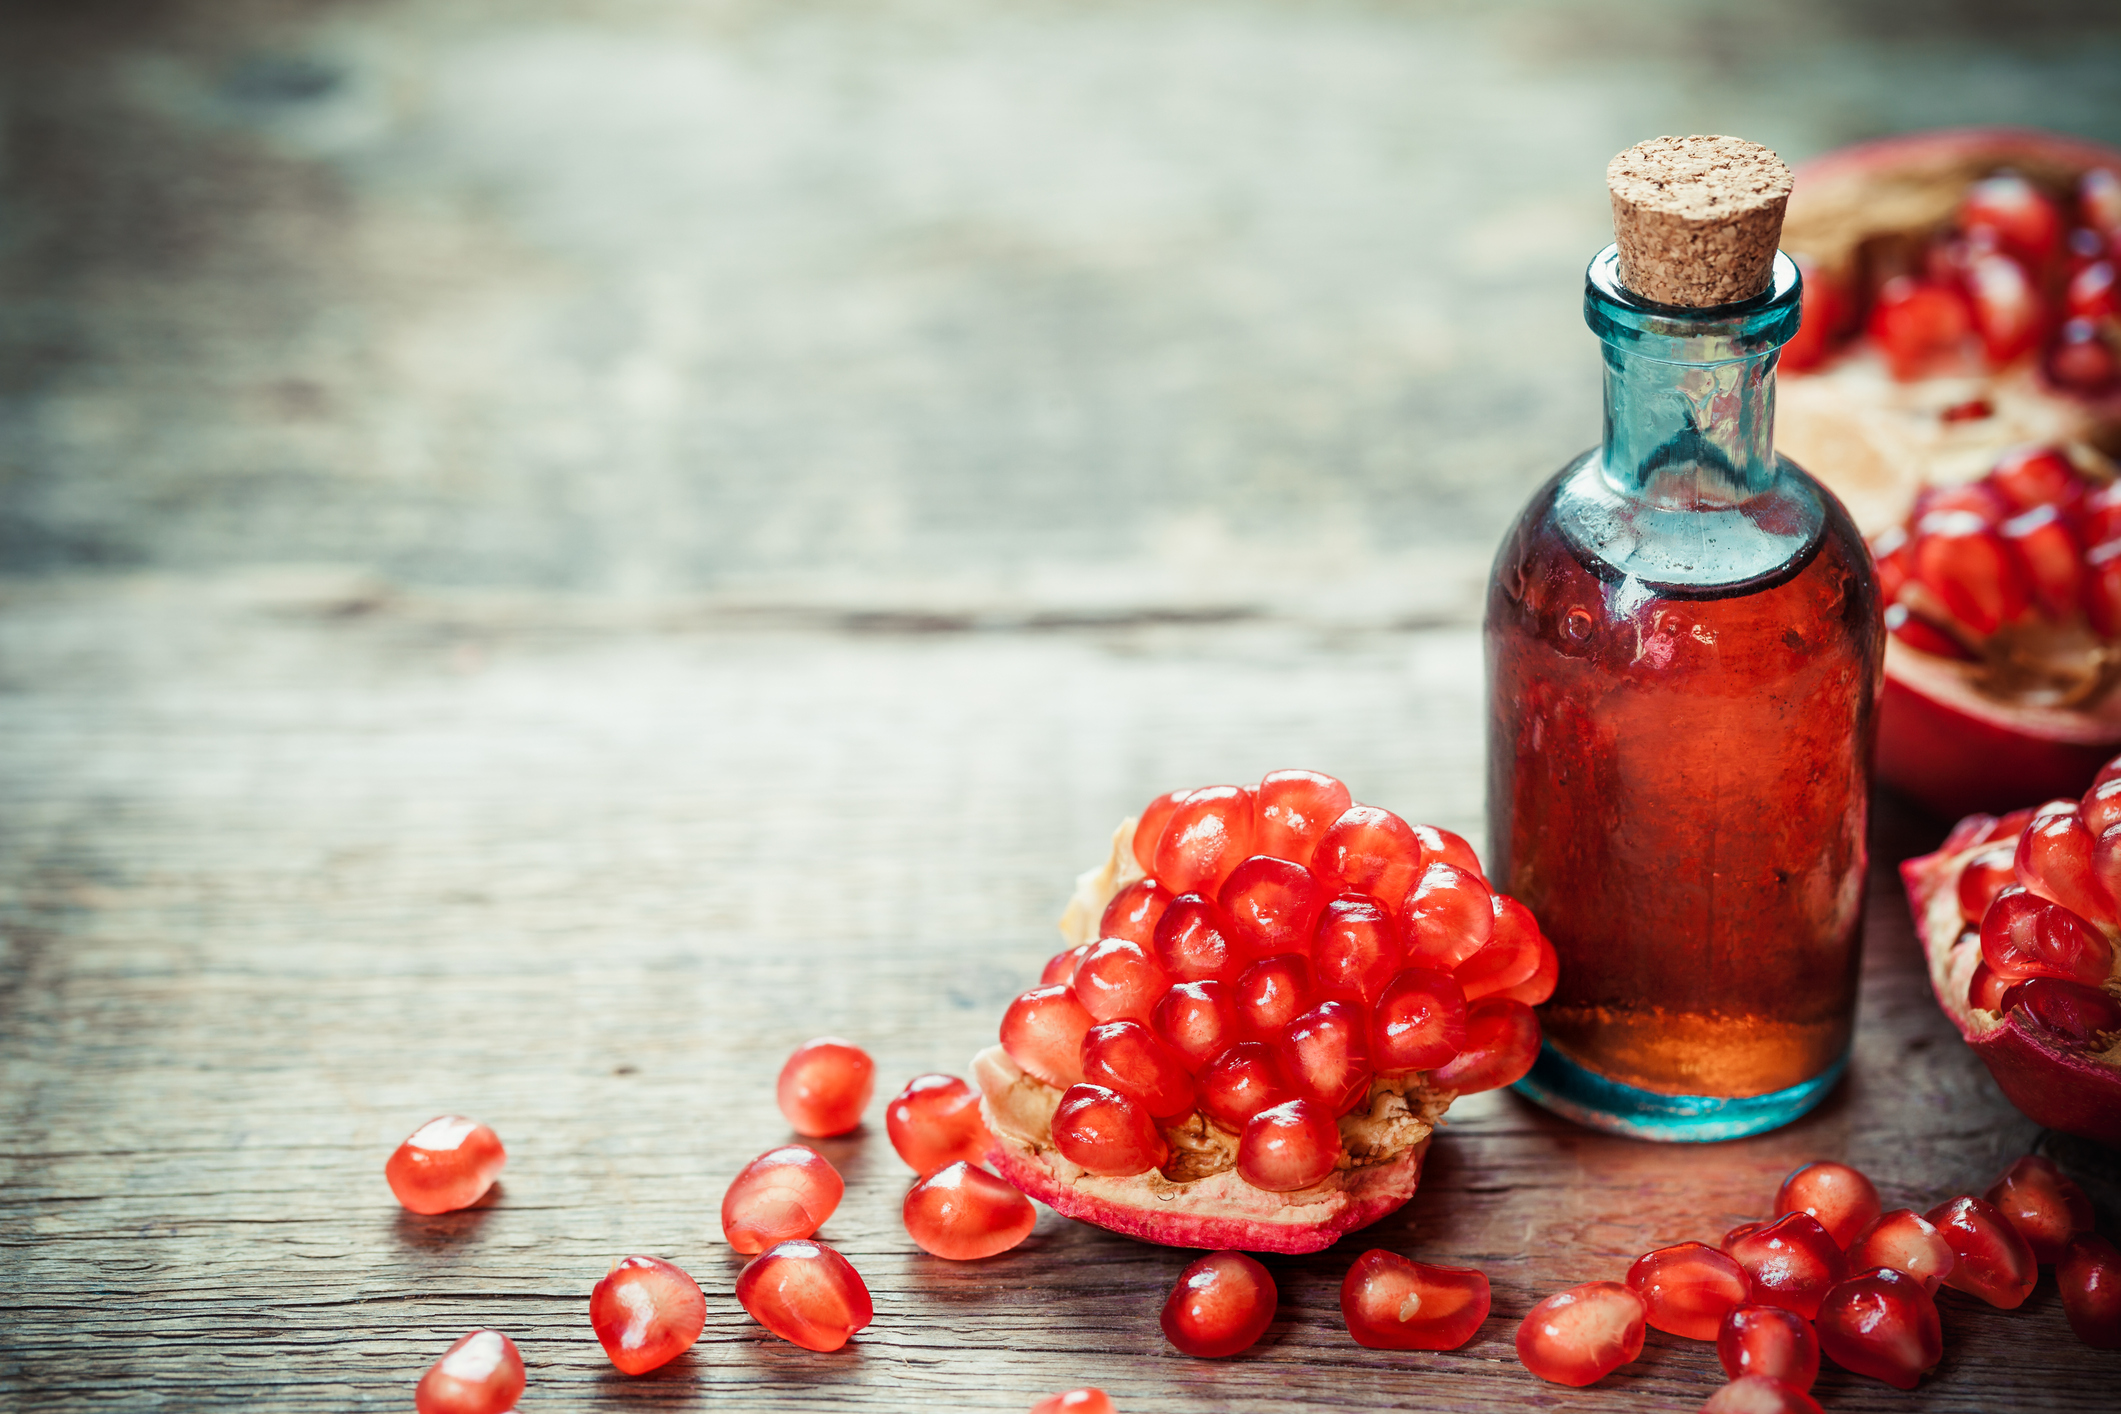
(1597, 1102)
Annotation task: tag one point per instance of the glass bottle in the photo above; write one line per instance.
(1683, 644)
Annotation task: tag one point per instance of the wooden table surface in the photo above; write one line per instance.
(553, 551)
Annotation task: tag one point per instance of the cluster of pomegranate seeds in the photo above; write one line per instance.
(646, 1313)
(1222, 1304)
(805, 1293)
(825, 1086)
(1075, 1401)
(1393, 1303)
(481, 1374)
(783, 1193)
(966, 1213)
(936, 1121)
(448, 1163)
(1579, 1336)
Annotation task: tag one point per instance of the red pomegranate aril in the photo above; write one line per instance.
(2101, 806)
(935, 1121)
(2007, 309)
(2023, 936)
(1118, 978)
(1208, 834)
(1768, 1341)
(2091, 292)
(1502, 1041)
(1126, 1056)
(1841, 1198)
(1757, 1394)
(1075, 1401)
(1326, 1053)
(1923, 635)
(2089, 1276)
(1980, 499)
(806, 1293)
(1222, 1304)
(2081, 357)
(2055, 862)
(481, 1374)
(1105, 1132)
(446, 1164)
(1134, 911)
(1197, 1020)
(1883, 1324)
(2032, 476)
(1540, 985)
(1271, 904)
(1509, 958)
(1447, 917)
(2050, 558)
(2099, 200)
(1987, 874)
(1687, 1290)
(1821, 319)
(2020, 213)
(1293, 809)
(1392, 1303)
(1907, 1242)
(825, 1086)
(646, 1313)
(2077, 1015)
(2102, 587)
(1149, 828)
(783, 1193)
(1985, 989)
(1964, 562)
(2043, 1204)
(1241, 1082)
(1356, 949)
(1273, 992)
(1060, 968)
(1368, 851)
(2100, 516)
(1991, 1259)
(1920, 326)
(1419, 1023)
(1289, 1146)
(1043, 1033)
(1194, 942)
(1790, 1262)
(1579, 1336)
(1440, 846)
(963, 1213)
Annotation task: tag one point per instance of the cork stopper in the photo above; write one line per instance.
(1697, 218)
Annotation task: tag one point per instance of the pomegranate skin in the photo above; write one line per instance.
(448, 1163)
(1392, 1303)
(1222, 1304)
(2089, 1275)
(1882, 1324)
(1950, 749)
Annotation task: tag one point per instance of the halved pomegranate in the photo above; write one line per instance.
(1320, 980)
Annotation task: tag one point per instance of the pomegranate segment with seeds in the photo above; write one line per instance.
(1222, 1304)
(825, 1086)
(935, 1121)
(1768, 1341)
(2042, 1204)
(1840, 1198)
(1392, 1303)
(1907, 1242)
(964, 1213)
(1075, 1401)
(1990, 1259)
(805, 1293)
(2089, 1276)
(1883, 1324)
(1579, 1336)
(1759, 1394)
(783, 1193)
(446, 1164)
(1687, 1290)
(646, 1313)
(481, 1374)
(1789, 1262)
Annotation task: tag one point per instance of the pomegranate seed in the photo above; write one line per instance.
(1060, 968)
(1107, 1133)
(1579, 1336)
(936, 1120)
(1391, 1303)
(1223, 1303)
(446, 1164)
(1273, 992)
(1907, 1242)
(1440, 846)
(1419, 1024)
(1992, 1260)
(2055, 861)
(825, 1086)
(1882, 1324)
(2050, 558)
(1134, 911)
(783, 1193)
(2034, 476)
(2102, 515)
(1294, 809)
(1757, 1394)
(2081, 358)
(1821, 318)
(1986, 875)
(2091, 292)
(1983, 500)
(1043, 1033)
(1768, 1341)
(2099, 198)
(1197, 1020)
(1126, 1056)
(2090, 1278)
(1687, 1290)
(1790, 1262)
(2043, 1204)
(1272, 905)
(1508, 959)
(1742, 1230)
(1288, 1146)
(1075, 1401)
(1964, 562)
(805, 1293)
(1209, 832)
(646, 1313)
(1149, 828)
(1922, 635)
(2017, 211)
(2102, 587)
(1449, 916)
(1985, 989)
(2073, 1013)
(1841, 1198)
(1194, 942)
(2023, 935)
(964, 1213)
(1118, 978)
(1241, 1082)
(1502, 1041)
(2101, 806)
(1920, 326)
(1326, 1052)
(481, 1374)
(1356, 949)
(1368, 851)
(1540, 985)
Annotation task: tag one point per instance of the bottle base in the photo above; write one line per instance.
(1597, 1102)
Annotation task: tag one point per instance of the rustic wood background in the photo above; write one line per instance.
(554, 550)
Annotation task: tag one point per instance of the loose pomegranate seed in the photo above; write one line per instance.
(1986, 875)
(2034, 476)
(1882, 1324)
(2023, 936)
(1419, 1024)
(1540, 985)
(1273, 992)
(934, 1121)
(2081, 357)
(1118, 978)
(1368, 851)
(481, 1374)
(446, 1164)
(1241, 1082)
(646, 1313)
(1126, 1056)
(1208, 834)
(1391, 1303)
(1272, 905)
(1294, 809)
(1326, 1053)
(1502, 1041)
(1821, 319)
(1841, 1198)
(1992, 1260)
(805, 1293)
(964, 1213)
(1043, 1033)
(825, 1086)
(1194, 942)
(1757, 1394)
(1288, 1146)
(1964, 562)
(1107, 1133)
(783, 1193)
(2071, 1012)
(1922, 635)
(2007, 309)
(1060, 968)
(1687, 1290)
(1149, 828)
(1790, 1262)
(1508, 959)
(1920, 326)
(1449, 916)
(2019, 212)
(1356, 949)
(1223, 1303)
(2043, 1204)
(2055, 861)
(1134, 911)
(2099, 198)
(1768, 1341)
(1579, 1336)
(1907, 1242)
(1075, 1401)
(1197, 1020)
(2089, 1275)
(2091, 292)
(2050, 558)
